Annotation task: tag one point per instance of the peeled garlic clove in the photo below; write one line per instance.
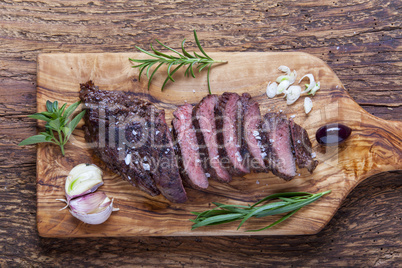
(315, 88)
(282, 87)
(83, 179)
(308, 105)
(292, 77)
(312, 82)
(282, 78)
(271, 90)
(284, 69)
(99, 216)
(293, 94)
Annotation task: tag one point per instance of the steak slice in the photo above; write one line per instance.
(205, 126)
(251, 133)
(229, 115)
(187, 148)
(280, 156)
(131, 136)
(302, 147)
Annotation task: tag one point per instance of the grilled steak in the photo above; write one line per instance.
(229, 115)
(205, 126)
(251, 135)
(302, 147)
(187, 149)
(131, 136)
(280, 157)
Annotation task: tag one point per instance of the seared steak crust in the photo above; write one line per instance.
(131, 136)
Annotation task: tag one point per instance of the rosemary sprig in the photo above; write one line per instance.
(57, 120)
(201, 61)
(289, 203)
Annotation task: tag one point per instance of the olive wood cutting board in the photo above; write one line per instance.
(374, 146)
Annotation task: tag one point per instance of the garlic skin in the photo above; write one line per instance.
(94, 208)
(83, 179)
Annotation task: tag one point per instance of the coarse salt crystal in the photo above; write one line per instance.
(134, 132)
(157, 132)
(263, 155)
(271, 140)
(146, 166)
(293, 116)
(313, 154)
(258, 182)
(207, 175)
(127, 159)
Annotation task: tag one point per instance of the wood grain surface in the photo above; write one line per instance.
(359, 40)
(373, 147)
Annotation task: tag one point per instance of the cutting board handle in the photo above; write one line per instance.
(380, 141)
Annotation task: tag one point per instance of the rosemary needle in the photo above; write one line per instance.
(176, 61)
(289, 203)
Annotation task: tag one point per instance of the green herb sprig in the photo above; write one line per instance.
(289, 203)
(182, 59)
(57, 120)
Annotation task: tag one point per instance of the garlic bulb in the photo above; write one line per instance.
(85, 204)
(83, 179)
(94, 208)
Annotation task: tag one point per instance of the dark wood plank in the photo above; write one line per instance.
(366, 229)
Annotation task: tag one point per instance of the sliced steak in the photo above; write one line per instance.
(302, 147)
(131, 136)
(167, 176)
(187, 148)
(280, 156)
(229, 115)
(205, 126)
(251, 133)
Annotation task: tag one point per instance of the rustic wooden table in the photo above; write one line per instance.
(360, 41)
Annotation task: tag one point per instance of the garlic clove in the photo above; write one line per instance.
(315, 89)
(282, 78)
(89, 203)
(308, 105)
(312, 82)
(282, 86)
(95, 218)
(293, 94)
(292, 77)
(271, 90)
(83, 179)
(284, 69)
